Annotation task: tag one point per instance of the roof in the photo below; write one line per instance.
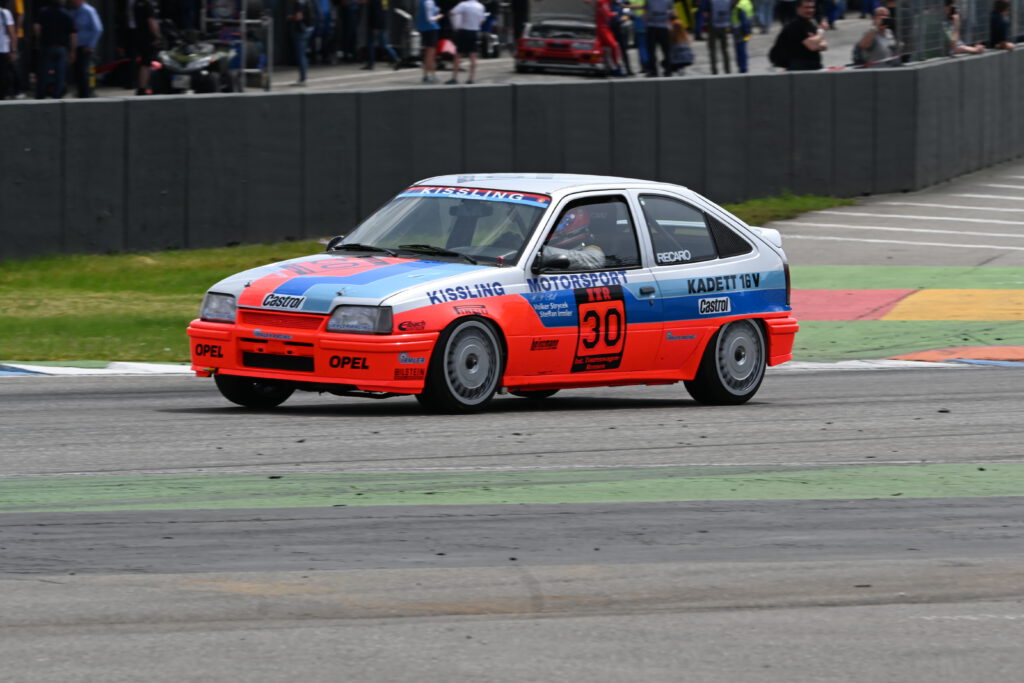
(540, 183)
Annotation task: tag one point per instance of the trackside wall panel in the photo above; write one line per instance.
(183, 171)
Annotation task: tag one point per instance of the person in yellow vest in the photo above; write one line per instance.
(742, 27)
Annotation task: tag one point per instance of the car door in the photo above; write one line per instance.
(592, 290)
(694, 266)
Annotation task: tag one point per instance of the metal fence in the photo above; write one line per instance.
(924, 28)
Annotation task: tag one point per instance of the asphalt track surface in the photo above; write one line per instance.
(844, 526)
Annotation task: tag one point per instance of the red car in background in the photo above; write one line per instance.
(561, 35)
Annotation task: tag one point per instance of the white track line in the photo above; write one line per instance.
(884, 228)
(986, 196)
(1008, 187)
(953, 206)
(920, 218)
(914, 244)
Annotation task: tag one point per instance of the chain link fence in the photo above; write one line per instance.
(925, 30)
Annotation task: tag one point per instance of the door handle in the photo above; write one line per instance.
(647, 290)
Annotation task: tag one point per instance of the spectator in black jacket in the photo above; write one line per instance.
(54, 30)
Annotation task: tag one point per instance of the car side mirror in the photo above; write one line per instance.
(545, 262)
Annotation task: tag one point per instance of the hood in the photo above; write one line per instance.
(315, 284)
(575, 10)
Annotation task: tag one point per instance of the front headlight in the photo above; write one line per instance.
(218, 307)
(583, 46)
(361, 320)
(535, 43)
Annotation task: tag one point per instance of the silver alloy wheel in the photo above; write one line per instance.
(739, 357)
(471, 363)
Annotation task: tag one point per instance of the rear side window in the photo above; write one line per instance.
(727, 241)
(678, 231)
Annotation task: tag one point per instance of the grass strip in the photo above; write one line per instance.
(219, 492)
(135, 307)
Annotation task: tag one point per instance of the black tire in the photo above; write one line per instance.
(204, 83)
(253, 393)
(465, 368)
(733, 365)
(534, 395)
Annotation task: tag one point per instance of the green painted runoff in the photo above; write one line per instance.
(628, 485)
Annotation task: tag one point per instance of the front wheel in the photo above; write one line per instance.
(465, 368)
(253, 393)
(733, 365)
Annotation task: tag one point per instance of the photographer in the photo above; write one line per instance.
(957, 46)
(878, 43)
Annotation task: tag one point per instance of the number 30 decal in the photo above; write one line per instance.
(602, 333)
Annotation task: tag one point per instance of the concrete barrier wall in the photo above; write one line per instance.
(198, 171)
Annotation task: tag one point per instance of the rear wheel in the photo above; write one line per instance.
(253, 393)
(733, 365)
(535, 395)
(465, 368)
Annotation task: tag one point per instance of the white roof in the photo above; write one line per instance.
(538, 183)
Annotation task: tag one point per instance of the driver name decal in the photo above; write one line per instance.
(602, 330)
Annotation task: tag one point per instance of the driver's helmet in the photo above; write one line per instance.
(573, 231)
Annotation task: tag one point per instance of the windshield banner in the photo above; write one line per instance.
(540, 200)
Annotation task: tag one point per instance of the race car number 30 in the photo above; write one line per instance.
(602, 335)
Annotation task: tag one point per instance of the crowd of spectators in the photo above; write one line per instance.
(47, 44)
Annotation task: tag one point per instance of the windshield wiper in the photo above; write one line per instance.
(355, 246)
(440, 251)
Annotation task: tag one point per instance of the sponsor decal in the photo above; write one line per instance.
(283, 301)
(477, 291)
(576, 280)
(724, 283)
(412, 325)
(544, 345)
(471, 310)
(668, 257)
(406, 359)
(208, 350)
(720, 304)
(672, 336)
(602, 330)
(409, 373)
(332, 265)
(269, 335)
(352, 362)
(477, 193)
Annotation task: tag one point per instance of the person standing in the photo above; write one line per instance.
(878, 43)
(801, 42)
(147, 39)
(428, 18)
(466, 17)
(742, 28)
(55, 34)
(300, 19)
(659, 14)
(606, 41)
(8, 51)
(377, 30)
(90, 28)
(351, 11)
(718, 19)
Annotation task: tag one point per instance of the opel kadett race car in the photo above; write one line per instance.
(464, 286)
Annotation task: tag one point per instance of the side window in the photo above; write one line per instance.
(678, 231)
(595, 233)
(727, 241)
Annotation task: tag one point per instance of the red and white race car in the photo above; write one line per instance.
(467, 285)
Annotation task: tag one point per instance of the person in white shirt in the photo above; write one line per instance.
(8, 51)
(467, 17)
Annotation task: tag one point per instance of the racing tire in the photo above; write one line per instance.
(732, 367)
(534, 394)
(250, 392)
(465, 368)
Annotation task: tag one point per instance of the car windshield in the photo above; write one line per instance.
(490, 227)
(566, 31)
